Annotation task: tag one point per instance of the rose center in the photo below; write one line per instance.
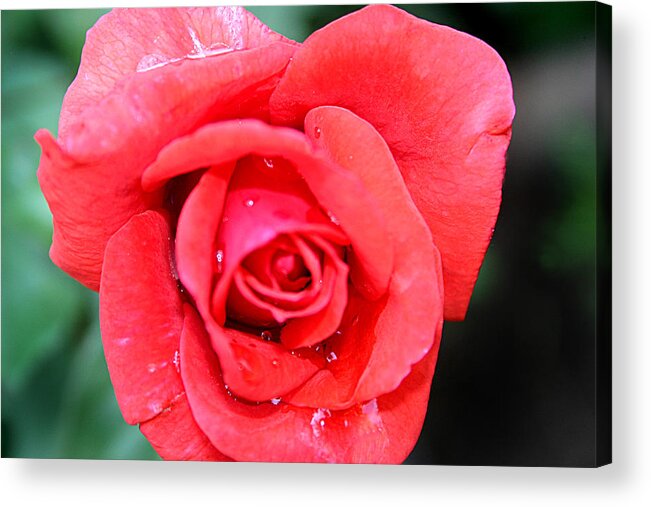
(289, 268)
(279, 255)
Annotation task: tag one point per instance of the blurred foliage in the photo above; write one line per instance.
(529, 318)
(57, 399)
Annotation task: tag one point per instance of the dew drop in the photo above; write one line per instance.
(317, 132)
(197, 50)
(346, 423)
(249, 203)
(220, 260)
(177, 361)
(217, 49)
(275, 362)
(275, 401)
(331, 357)
(333, 218)
(155, 407)
(151, 367)
(123, 341)
(266, 335)
(269, 163)
(370, 410)
(318, 421)
(153, 61)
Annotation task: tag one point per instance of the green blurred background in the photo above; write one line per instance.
(514, 383)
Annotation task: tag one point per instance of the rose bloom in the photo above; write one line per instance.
(277, 230)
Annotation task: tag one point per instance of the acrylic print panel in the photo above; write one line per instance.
(301, 245)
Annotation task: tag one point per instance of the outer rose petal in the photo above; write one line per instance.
(379, 431)
(125, 38)
(141, 316)
(441, 99)
(91, 177)
(141, 323)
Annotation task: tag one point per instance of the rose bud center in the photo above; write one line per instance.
(287, 272)
(289, 269)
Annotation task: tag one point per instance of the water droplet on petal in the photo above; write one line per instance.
(177, 361)
(123, 341)
(151, 367)
(155, 407)
(269, 163)
(331, 357)
(249, 203)
(275, 401)
(153, 61)
(220, 260)
(199, 50)
(318, 421)
(333, 218)
(275, 362)
(372, 413)
(317, 132)
(266, 335)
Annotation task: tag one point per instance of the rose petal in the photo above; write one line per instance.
(127, 40)
(197, 227)
(174, 435)
(258, 370)
(441, 99)
(378, 431)
(141, 317)
(91, 177)
(379, 341)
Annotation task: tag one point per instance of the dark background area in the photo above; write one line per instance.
(515, 382)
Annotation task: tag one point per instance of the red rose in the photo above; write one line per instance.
(272, 226)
